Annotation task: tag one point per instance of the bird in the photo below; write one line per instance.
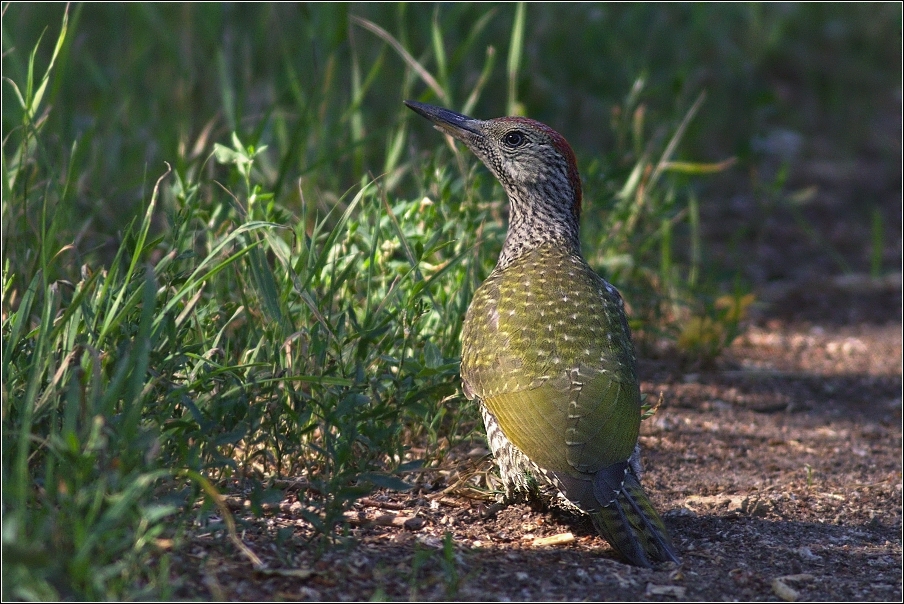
(546, 347)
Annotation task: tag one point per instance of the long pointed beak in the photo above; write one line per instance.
(457, 125)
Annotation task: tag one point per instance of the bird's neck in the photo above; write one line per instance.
(537, 222)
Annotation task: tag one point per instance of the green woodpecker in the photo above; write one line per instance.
(546, 348)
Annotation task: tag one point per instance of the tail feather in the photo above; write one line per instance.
(633, 527)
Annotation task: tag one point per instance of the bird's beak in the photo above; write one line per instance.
(460, 126)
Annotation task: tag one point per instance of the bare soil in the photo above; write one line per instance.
(778, 471)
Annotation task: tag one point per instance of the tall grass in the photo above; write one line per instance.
(283, 296)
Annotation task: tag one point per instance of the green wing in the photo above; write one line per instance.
(548, 352)
(563, 428)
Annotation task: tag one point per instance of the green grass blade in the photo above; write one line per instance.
(516, 49)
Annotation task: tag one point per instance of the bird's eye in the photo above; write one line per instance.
(513, 139)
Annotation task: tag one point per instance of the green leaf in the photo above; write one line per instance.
(385, 481)
(433, 358)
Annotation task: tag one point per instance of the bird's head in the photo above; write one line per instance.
(533, 162)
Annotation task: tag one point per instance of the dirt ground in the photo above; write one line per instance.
(778, 471)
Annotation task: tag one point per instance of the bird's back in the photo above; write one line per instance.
(546, 350)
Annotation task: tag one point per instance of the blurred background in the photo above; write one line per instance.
(803, 95)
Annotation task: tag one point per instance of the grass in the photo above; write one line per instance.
(283, 296)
